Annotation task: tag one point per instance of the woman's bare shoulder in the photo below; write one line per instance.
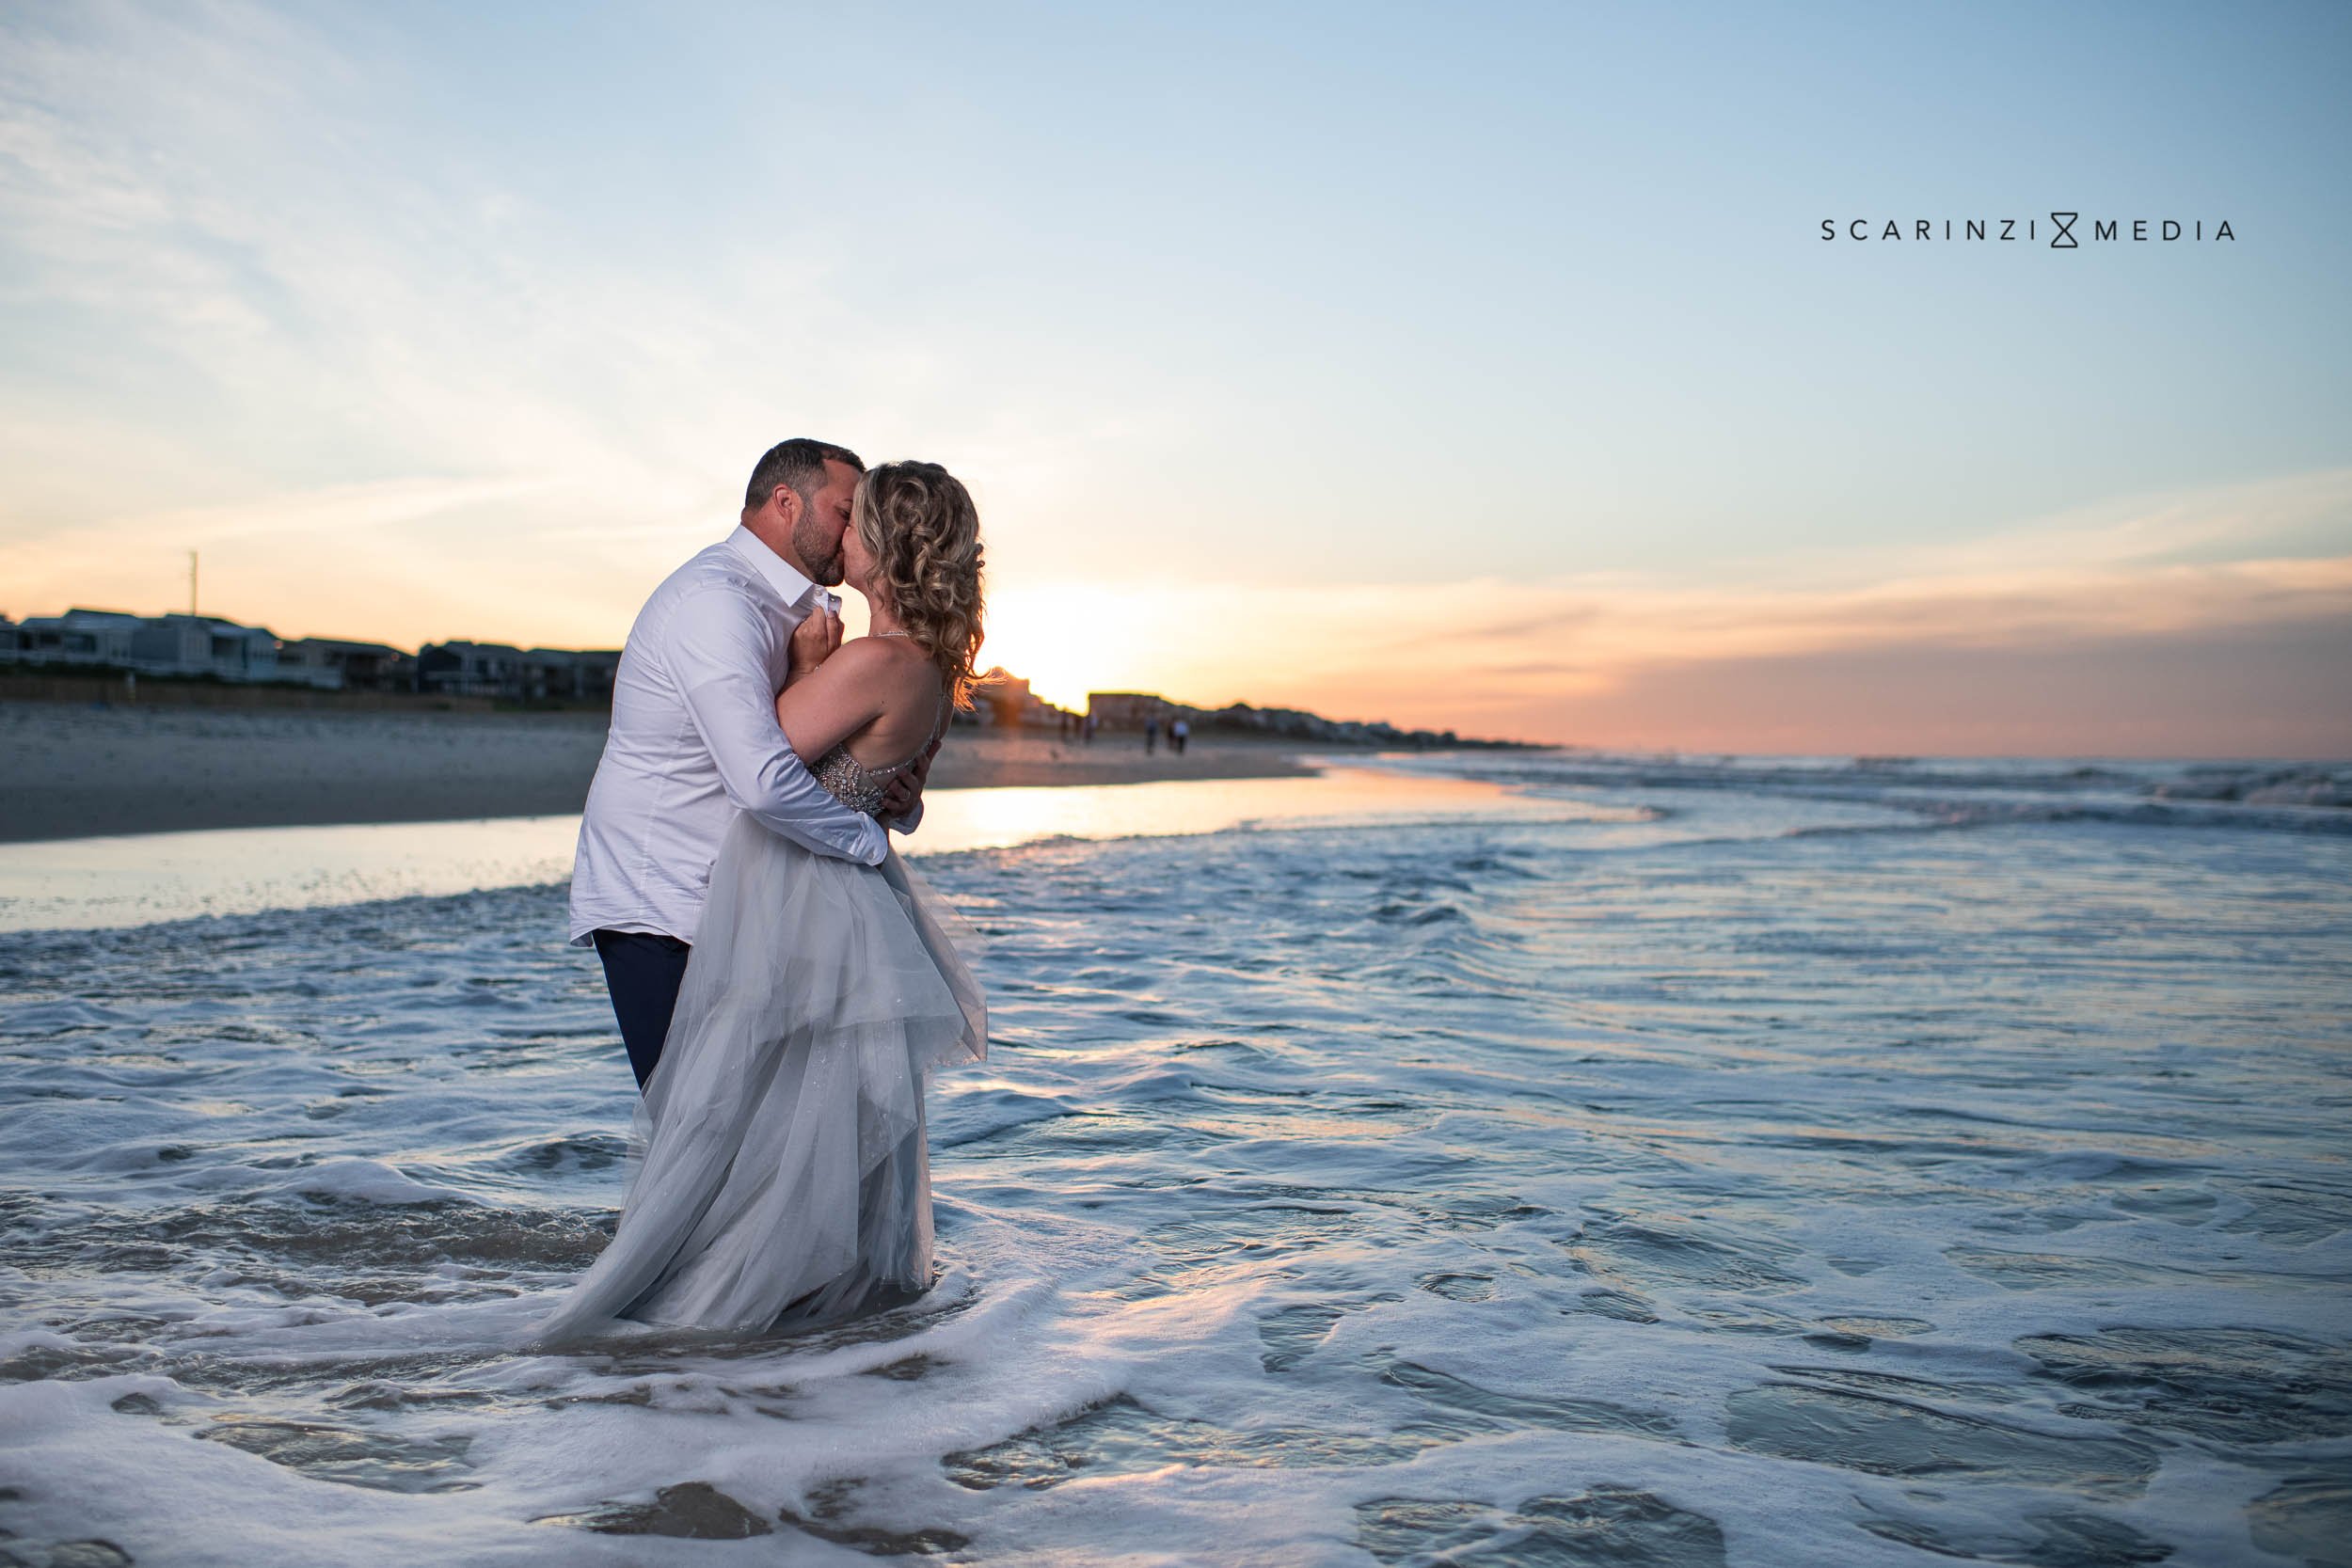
(894, 663)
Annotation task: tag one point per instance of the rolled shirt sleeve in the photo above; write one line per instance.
(718, 651)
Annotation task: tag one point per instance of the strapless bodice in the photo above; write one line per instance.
(859, 788)
(855, 785)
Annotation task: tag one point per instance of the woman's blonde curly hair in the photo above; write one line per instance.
(918, 523)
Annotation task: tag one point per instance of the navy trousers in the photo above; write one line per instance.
(642, 969)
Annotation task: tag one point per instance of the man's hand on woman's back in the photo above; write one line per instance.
(904, 796)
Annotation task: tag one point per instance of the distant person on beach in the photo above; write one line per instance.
(1150, 735)
(785, 983)
(1179, 733)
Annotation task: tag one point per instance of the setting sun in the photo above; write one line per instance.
(1067, 644)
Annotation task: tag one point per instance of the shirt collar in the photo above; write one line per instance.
(781, 574)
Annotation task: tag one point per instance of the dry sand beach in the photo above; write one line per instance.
(75, 770)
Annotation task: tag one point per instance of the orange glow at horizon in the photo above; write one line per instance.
(1979, 646)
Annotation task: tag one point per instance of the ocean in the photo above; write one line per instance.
(1544, 1159)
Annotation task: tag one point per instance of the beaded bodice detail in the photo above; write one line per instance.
(859, 788)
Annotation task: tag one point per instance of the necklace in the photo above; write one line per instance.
(894, 633)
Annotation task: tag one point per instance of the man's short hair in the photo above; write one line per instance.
(800, 463)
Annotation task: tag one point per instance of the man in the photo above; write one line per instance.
(694, 738)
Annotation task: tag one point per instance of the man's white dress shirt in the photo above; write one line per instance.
(694, 739)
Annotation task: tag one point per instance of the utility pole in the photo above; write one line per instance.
(191, 582)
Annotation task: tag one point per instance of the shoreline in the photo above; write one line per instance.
(149, 879)
(80, 772)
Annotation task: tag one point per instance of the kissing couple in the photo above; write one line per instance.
(784, 982)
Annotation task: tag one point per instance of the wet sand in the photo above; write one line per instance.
(73, 771)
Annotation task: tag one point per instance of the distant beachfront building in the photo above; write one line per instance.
(1130, 710)
(516, 674)
(110, 641)
(201, 645)
(1000, 697)
(579, 674)
(471, 668)
(340, 664)
(77, 637)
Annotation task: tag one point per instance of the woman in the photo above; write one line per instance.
(778, 1167)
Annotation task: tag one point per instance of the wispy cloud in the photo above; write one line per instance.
(264, 302)
(250, 290)
(1543, 658)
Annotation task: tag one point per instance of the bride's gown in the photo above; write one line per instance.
(778, 1171)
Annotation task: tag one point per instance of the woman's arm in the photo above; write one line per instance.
(813, 642)
(833, 702)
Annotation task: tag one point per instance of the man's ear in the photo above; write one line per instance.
(788, 502)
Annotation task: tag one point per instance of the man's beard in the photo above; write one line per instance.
(823, 565)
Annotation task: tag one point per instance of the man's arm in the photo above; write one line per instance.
(718, 656)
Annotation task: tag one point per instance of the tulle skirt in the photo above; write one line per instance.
(778, 1172)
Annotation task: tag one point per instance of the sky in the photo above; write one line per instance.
(1480, 367)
